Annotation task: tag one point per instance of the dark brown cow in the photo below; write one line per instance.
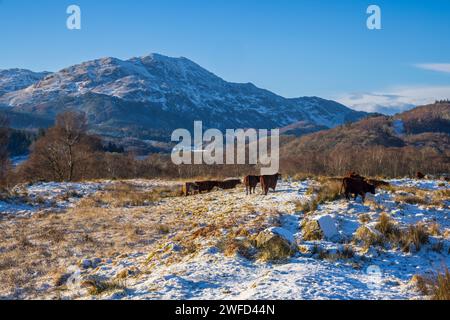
(356, 187)
(207, 186)
(189, 187)
(269, 182)
(229, 184)
(354, 175)
(251, 182)
(420, 175)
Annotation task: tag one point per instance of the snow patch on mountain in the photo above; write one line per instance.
(17, 79)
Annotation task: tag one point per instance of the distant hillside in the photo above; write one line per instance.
(418, 139)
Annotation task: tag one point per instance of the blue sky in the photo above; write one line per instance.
(291, 47)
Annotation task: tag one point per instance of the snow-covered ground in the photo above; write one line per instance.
(27, 200)
(206, 273)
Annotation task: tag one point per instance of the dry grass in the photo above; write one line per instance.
(386, 231)
(232, 245)
(327, 191)
(434, 229)
(436, 287)
(97, 286)
(416, 235)
(125, 194)
(306, 207)
(37, 250)
(411, 199)
(364, 218)
(387, 227)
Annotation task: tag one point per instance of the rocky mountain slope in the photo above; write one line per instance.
(150, 96)
(17, 79)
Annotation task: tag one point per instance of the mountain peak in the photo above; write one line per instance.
(157, 92)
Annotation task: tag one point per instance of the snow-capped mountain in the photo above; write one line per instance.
(17, 79)
(156, 92)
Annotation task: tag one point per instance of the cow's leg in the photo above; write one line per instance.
(347, 195)
(363, 196)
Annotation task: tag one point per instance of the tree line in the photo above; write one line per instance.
(68, 152)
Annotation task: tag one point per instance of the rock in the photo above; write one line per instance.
(368, 235)
(319, 228)
(275, 244)
(328, 226)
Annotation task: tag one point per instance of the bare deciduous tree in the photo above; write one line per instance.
(63, 153)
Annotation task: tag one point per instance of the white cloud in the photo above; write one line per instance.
(394, 100)
(438, 67)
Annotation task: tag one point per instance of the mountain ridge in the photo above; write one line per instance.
(125, 98)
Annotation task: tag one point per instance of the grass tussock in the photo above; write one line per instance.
(416, 235)
(329, 190)
(96, 286)
(386, 232)
(306, 207)
(364, 218)
(434, 229)
(436, 287)
(387, 227)
(232, 245)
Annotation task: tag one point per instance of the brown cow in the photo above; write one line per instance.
(229, 184)
(207, 186)
(251, 182)
(354, 175)
(269, 182)
(188, 187)
(420, 175)
(356, 187)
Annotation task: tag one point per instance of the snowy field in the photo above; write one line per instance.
(184, 256)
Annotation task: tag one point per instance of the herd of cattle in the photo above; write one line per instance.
(353, 185)
(250, 182)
